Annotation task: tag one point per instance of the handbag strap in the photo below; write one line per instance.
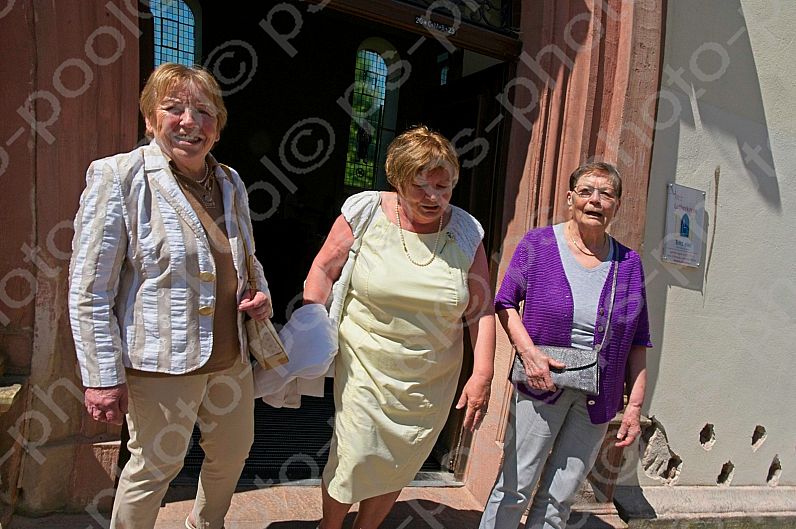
(341, 285)
(249, 256)
(359, 236)
(613, 294)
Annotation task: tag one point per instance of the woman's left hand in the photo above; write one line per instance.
(256, 304)
(475, 396)
(630, 428)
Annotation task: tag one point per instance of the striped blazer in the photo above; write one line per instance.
(142, 276)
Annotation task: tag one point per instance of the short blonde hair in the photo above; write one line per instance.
(166, 77)
(416, 150)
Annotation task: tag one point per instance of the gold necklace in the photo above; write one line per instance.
(403, 241)
(584, 252)
(206, 184)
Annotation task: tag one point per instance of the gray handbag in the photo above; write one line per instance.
(582, 371)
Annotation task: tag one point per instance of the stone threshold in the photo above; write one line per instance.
(707, 507)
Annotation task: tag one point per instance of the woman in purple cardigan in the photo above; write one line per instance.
(563, 275)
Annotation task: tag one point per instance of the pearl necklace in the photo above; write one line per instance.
(584, 252)
(403, 241)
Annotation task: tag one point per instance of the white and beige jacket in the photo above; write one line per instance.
(142, 276)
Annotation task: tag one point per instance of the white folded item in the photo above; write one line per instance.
(310, 339)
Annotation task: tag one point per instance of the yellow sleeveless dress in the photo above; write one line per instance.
(399, 360)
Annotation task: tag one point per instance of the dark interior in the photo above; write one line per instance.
(296, 180)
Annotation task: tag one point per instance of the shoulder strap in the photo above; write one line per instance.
(615, 260)
(362, 227)
(361, 210)
(249, 257)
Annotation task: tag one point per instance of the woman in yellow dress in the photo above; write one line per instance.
(408, 272)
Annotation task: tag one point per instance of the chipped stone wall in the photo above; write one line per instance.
(71, 98)
(721, 388)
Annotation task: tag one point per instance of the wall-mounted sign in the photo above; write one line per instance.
(435, 26)
(685, 226)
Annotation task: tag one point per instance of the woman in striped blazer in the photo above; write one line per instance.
(158, 293)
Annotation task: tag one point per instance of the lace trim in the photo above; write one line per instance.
(466, 230)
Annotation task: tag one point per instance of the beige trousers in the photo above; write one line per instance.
(161, 415)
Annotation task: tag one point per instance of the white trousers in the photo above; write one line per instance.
(162, 413)
(554, 445)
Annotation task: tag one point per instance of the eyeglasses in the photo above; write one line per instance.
(605, 195)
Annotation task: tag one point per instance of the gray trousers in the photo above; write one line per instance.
(554, 445)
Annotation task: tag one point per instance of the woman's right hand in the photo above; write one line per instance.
(537, 368)
(107, 404)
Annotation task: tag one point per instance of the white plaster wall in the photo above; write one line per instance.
(725, 333)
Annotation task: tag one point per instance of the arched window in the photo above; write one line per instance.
(175, 31)
(374, 103)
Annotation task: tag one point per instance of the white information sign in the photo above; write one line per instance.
(685, 226)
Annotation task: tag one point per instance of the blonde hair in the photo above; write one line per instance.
(166, 77)
(419, 149)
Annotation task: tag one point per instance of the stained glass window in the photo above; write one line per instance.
(174, 32)
(443, 65)
(364, 135)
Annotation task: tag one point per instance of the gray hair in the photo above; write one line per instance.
(597, 168)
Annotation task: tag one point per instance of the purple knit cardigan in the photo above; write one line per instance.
(536, 276)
